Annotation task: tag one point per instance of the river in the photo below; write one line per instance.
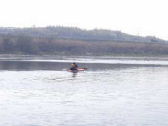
(112, 92)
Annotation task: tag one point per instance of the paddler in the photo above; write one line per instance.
(74, 67)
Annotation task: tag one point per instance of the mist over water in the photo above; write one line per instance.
(111, 92)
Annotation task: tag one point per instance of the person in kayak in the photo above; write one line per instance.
(74, 67)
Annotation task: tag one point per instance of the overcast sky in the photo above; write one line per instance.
(139, 17)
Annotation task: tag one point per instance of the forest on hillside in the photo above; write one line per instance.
(75, 41)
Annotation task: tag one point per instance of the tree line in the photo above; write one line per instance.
(74, 41)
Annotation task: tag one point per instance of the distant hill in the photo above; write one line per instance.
(78, 34)
(75, 41)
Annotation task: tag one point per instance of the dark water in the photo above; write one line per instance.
(57, 65)
(112, 92)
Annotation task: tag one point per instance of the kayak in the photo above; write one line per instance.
(78, 69)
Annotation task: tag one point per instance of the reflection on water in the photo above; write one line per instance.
(105, 95)
(74, 74)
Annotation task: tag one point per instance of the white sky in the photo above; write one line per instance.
(139, 17)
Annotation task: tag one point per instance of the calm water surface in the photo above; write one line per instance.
(111, 93)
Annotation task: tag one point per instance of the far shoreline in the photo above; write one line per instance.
(52, 56)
